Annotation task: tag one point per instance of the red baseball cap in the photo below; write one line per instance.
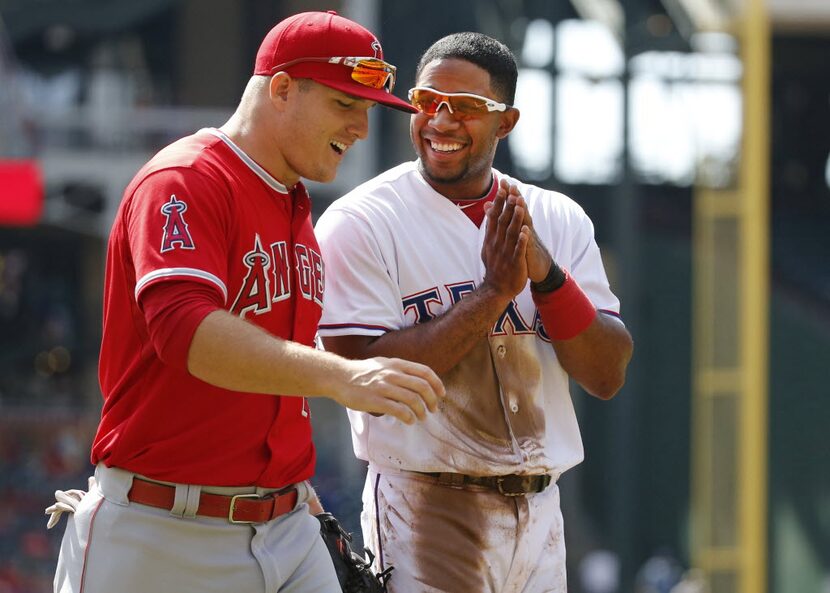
(318, 35)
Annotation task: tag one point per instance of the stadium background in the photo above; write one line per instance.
(89, 89)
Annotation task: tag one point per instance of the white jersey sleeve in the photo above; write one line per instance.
(355, 267)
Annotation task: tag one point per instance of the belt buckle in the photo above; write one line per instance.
(232, 508)
(510, 492)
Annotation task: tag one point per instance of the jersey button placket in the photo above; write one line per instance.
(501, 352)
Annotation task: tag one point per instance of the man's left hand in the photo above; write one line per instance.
(538, 258)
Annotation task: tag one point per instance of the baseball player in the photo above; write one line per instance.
(499, 287)
(213, 289)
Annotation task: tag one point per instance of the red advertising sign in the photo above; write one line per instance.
(21, 192)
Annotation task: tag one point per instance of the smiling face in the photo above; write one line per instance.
(456, 152)
(319, 126)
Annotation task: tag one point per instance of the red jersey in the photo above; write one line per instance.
(203, 211)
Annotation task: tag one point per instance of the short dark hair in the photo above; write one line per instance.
(304, 84)
(483, 51)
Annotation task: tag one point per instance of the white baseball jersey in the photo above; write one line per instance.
(398, 253)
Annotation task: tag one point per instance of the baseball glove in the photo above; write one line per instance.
(353, 571)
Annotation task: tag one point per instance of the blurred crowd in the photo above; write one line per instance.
(41, 450)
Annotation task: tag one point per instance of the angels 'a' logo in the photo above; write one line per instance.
(175, 228)
(255, 292)
(376, 48)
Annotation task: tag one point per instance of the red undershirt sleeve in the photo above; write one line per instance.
(173, 311)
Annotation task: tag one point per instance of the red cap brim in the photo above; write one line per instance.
(381, 96)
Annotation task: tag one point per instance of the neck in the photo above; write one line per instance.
(463, 189)
(254, 141)
(484, 194)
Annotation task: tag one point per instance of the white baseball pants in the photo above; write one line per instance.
(446, 540)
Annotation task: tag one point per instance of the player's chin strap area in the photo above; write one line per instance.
(509, 485)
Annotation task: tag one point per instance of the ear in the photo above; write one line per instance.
(278, 89)
(507, 121)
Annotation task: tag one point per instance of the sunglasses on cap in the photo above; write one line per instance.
(429, 101)
(371, 72)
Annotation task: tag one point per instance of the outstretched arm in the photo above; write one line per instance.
(229, 352)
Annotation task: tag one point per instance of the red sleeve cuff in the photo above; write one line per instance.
(173, 311)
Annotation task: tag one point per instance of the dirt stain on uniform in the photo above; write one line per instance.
(519, 372)
(473, 404)
(453, 535)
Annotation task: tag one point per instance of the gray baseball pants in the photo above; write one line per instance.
(112, 544)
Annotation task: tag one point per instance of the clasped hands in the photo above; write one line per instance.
(512, 252)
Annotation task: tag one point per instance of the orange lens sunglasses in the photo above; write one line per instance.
(429, 101)
(371, 72)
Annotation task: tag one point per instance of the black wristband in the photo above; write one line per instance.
(555, 279)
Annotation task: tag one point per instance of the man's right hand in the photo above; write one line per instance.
(406, 390)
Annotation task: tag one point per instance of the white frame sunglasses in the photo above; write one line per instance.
(487, 105)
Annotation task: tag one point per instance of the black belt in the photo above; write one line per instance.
(509, 485)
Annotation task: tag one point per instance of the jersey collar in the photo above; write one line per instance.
(252, 165)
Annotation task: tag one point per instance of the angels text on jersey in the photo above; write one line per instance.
(268, 278)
